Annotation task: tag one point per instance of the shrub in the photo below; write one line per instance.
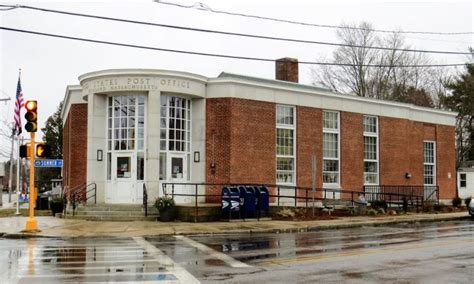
(286, 213)
(372, 212)
(457, 201)
(428, 206)
(405, 204)
(438, 207)
(467, 201)
(379, 204)
(165, 202)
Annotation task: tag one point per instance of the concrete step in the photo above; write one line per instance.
(112, 218)
(112, 213)
(108, 207)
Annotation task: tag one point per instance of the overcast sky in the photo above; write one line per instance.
(49, 65)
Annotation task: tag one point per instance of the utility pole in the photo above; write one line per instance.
(5, 100)
(10, 178)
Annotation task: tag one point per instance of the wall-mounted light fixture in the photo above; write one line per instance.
(407, 175)
(99, 155)
(197, 157)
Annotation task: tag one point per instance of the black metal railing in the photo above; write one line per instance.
(375, 192)
(145, 200)
(298, 196)
(80, 194)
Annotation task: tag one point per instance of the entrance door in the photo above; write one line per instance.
(178, 172)
(124, 178)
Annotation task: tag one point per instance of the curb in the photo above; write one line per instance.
(303, 228)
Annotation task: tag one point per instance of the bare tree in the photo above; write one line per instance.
(414, 85)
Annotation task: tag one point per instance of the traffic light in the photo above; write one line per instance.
(31, 116)
(43, 151)
(25, 151)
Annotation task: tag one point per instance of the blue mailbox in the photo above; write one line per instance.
(248, 198)
(230, 198)
(263, 200)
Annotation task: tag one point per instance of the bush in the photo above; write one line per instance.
(439, 207)
(286, 213)
(164, 203)
(429, 206)
(467, 201)
(405, 204)
(457, 201)
(372, 212)
(379, 204)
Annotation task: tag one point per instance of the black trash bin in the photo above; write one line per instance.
(263, 200)
(248, 201)
(230, 200)
(42, 203)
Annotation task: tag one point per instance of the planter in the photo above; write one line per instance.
(167, 215)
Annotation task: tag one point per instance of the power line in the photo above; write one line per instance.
(218, 55)
(236, 34)
(203, 7)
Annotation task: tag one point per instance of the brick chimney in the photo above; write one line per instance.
(286, 69)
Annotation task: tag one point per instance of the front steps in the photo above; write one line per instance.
(112, 212)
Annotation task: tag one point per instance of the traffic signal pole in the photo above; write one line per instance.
(31, 224)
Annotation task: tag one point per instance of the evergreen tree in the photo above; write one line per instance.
(462, 101)
(53, 136)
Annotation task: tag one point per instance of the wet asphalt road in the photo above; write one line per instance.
(405, 253)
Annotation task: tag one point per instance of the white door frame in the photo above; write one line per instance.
(123, 183)
(177, 175)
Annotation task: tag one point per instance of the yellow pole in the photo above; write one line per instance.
(31, 224)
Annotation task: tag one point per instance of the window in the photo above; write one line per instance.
(175, 133)
(371, 163)
(331, 147)
(429, 162)
(462, 180)
(285, 144)
(126, 131)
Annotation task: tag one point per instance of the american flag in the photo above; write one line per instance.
(19, 103)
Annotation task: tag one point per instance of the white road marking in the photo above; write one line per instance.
(182, 274)
(224, 257)
(110, 274)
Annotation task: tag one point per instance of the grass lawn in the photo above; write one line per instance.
(23, 212)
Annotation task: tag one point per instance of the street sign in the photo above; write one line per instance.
(47, 163)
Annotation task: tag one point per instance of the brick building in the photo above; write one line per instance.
(129, 127)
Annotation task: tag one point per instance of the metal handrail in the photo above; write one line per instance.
(145, 200)
(301, 194)
(81, 194)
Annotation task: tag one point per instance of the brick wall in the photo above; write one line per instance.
(446, 161)
(352, 151)
(309, 135)
(240, 142)
(75, 146)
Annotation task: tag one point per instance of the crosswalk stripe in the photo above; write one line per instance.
(182, 274)
(227, 259)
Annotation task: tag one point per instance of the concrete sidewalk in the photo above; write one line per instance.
(54, 227)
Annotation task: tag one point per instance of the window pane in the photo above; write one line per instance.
(284, 142)
(330, 120)
(330, 145)
(123, 167)
(370, 124)
(109, 166)
(285, 115)
(140, 166)
(370, 148)
(162, 166)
